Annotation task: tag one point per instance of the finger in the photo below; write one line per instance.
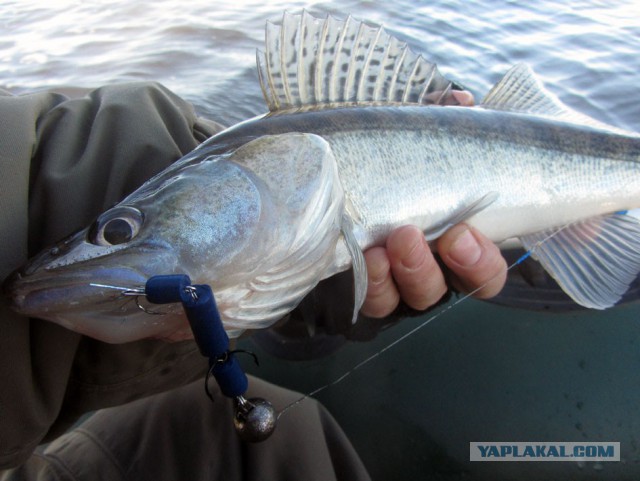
(382, 295)
(415, 270)
(474, 261)
(464, 97)
(460, 98)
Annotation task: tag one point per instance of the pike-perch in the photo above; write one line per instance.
(357, 141)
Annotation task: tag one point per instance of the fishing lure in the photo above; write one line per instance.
(254, 418)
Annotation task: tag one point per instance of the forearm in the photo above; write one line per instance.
(62, 161)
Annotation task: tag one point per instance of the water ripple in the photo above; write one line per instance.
(587, 52)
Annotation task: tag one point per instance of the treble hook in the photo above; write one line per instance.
(136, 293)
(145, 310)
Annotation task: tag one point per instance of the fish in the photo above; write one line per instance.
(361, 136)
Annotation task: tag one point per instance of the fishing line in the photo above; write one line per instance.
(140, 291)
(420, 326)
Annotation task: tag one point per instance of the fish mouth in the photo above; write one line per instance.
(45, 294)
(94, 304)
(83, 288)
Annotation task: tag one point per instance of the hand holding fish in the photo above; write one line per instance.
(406, 269)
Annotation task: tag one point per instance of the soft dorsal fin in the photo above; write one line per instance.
(520, 90)
(327, 62)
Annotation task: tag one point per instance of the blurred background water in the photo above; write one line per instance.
(481, 372)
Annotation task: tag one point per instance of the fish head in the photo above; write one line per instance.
(259, 224)
(197, 222)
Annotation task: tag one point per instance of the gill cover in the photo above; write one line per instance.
(300, 173)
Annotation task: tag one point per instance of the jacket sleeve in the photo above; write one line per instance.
(62, 161)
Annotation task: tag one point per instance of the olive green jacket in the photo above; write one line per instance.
(63, 161)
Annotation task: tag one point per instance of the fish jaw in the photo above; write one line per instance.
(88, 296)
(94, 308)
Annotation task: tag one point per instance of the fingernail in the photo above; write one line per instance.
(465, 250)
(416, 255)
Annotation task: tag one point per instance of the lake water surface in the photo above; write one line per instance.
(480, 373)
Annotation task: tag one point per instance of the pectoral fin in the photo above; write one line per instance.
(465, 213)
(359, 266)
(594, 261)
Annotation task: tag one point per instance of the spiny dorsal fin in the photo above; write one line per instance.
(520, 90)
(328, 62)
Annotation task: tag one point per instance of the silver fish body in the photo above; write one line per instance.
(418, 165)
(267, 208)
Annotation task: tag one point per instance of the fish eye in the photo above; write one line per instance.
(116, 226)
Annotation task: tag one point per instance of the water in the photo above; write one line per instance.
(481, 372)
(586, 52)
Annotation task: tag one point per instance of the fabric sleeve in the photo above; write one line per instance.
(63, 161)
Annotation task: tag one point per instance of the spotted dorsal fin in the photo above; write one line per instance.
(520, 90)
(311, 62)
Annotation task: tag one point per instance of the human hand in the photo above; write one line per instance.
(406, 269)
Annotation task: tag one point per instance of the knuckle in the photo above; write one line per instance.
(381, 304)
(490, 277)
(377, 265)
(425, 299)
(425, 288)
